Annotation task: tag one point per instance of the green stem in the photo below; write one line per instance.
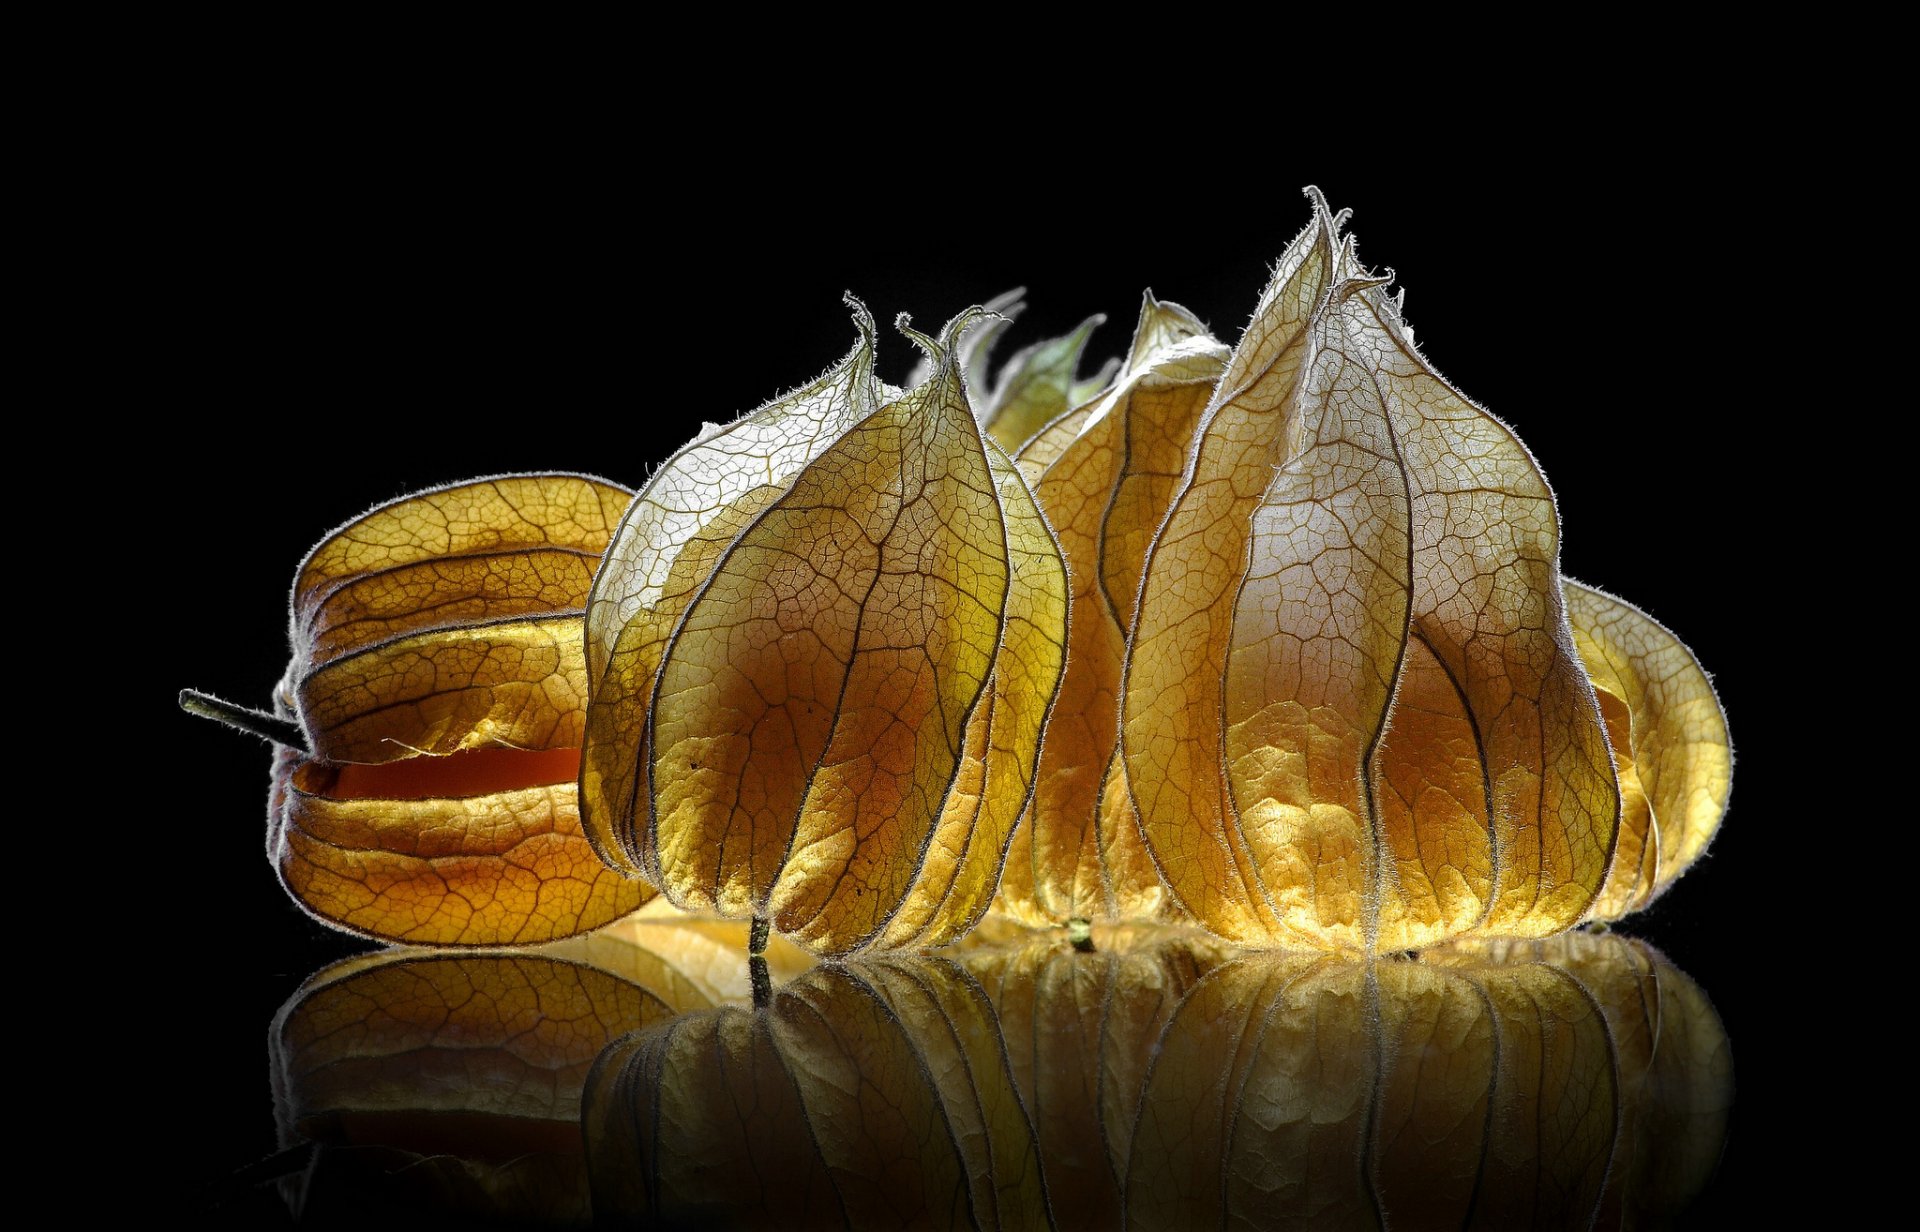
(259, 723)
(1080, 933)
(757, 937)
(762, 982)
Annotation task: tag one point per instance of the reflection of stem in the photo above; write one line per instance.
(762, 982)
(757, 937)
(1080, 933)
(1369, 1150)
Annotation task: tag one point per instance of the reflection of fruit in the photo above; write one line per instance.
(450, 1084)
(1080, 1032)
(1169, 1082)
(1490, 1094)
(875, 1095)
(439, 681)
(1674, 1065)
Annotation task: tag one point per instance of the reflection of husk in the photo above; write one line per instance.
(1335, 1093)
(868, 1095)
(450, 1084)
(1674, 1066)
(1079, 1029)
(1171, 1082)
(658, 944)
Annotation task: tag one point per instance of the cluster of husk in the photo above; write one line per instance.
(1269, 639)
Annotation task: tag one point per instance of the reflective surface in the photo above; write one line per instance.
(1164, 1080)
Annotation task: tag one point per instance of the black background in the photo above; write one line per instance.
(351, 305)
